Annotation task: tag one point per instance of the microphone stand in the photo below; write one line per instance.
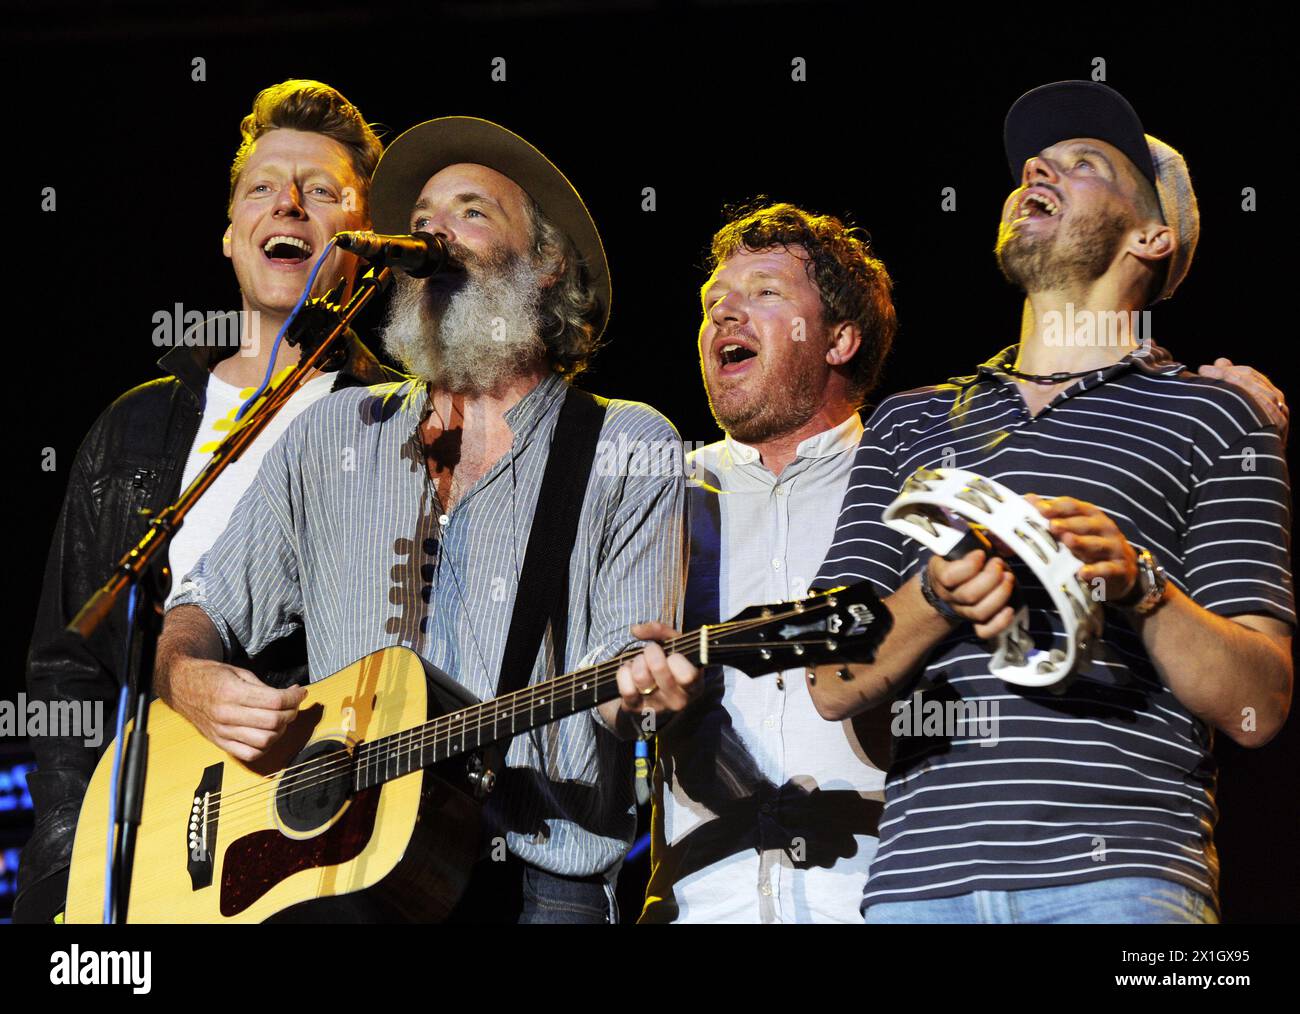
(144, 572)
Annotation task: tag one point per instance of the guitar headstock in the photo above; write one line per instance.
(841, 625)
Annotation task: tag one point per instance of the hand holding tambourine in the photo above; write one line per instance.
(951, 511)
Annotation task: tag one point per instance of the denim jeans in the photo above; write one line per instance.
(512, 891)
(1117, 900)
(552, 899)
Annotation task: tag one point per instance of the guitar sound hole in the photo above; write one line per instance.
(315, 786)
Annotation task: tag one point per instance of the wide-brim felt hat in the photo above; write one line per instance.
(430, 147)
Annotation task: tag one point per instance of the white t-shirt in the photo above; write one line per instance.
(211, 514)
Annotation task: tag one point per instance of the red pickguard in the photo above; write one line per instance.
(257, 862)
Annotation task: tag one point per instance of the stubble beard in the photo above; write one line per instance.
(1060, 261)
(781, 404)
(474, 338)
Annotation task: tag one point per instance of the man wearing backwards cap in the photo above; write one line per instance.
(400, 514)
(1095, 800)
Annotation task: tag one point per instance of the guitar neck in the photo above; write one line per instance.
(841, 623)
(381, 760)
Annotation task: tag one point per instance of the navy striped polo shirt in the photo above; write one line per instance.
(1107, 775)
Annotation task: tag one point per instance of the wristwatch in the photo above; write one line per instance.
(1149, 589)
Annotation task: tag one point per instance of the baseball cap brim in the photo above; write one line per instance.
(430, 147)
(1055, 112)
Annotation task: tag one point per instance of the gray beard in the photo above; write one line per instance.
(1059, 262)
(477, 338)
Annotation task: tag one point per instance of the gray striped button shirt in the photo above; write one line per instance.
(341, 532)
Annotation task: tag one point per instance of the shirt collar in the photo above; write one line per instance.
(522, 417)
(1154, 360)
(825, 444)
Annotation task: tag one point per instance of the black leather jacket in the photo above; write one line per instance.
(131, 462)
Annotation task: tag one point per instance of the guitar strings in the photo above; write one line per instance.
(390, 748)
(532, 690)
(247, 805)
(368, 756)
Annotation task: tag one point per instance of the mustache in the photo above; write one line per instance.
(1056, 192)
(461, 263)
(460, 256)
(737, 331)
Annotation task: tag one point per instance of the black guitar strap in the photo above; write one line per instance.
(543, 592)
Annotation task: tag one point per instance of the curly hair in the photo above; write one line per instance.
(300, 104)
(569, 308)
(853, 285)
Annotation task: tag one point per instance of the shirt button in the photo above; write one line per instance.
(444, 520)
(770, 722)
(780, 491)
(776, 563)
(766, 890)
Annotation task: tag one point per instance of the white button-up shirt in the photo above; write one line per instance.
(764, 811)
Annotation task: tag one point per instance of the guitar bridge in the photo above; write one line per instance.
(201, 830)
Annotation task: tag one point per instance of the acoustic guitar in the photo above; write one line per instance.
(368, 806)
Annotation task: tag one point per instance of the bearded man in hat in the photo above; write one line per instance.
(401, 514)
(1095, 800)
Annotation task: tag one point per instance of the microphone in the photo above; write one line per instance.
(420, 254)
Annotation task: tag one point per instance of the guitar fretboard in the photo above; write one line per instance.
(381, 760)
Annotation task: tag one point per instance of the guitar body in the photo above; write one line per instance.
(362, 809)
(221, 841)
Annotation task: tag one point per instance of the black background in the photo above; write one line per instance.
(694, 100)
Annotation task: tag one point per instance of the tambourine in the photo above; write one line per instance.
(947, 510)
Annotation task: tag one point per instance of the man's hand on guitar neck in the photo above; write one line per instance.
(651, 683)
(229, 706)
